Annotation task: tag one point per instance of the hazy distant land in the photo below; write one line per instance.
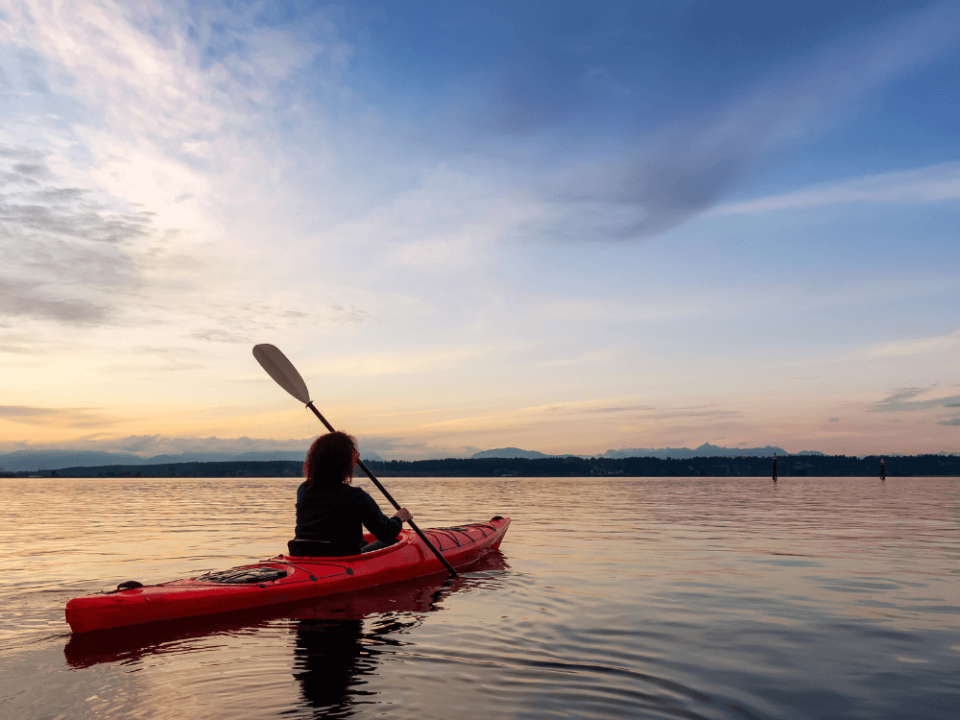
(33, 460)
(565, 466)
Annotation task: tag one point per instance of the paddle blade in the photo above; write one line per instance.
(282, 370)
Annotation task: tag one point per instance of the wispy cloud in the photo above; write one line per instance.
(64, 257)
(139, 118)
(220, 335)
(72, 417)
(936, 183)
(386, 363)
(904, 400)
(350, 314)
(917, 346)
(19, 343)
(33, 298)
(687, 168)
(159, 444)
(647, 412)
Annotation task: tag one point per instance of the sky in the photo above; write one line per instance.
(562, 226)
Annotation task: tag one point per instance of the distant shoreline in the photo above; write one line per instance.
(787, 466)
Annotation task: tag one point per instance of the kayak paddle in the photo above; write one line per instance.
(287, 377)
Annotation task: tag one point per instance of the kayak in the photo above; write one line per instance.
(416, 596)
(284, 579)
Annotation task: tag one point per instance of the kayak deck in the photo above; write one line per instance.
(296, 578)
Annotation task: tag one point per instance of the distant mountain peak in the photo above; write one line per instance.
(509, 453)
(705, 450)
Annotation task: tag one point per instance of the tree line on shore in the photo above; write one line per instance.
(787, 466)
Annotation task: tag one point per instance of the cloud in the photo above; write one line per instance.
(147, 147)
(171, 73)
(918, 346)
(834, 419)
(936, 183)
(148, 445)
(647, 412)
(19, 343)
(350, 314)
(217, 335)
(391, 447)
(159, 444)
(685, 169)
(409, 362)
(32, 298)
(21, 411)
(61, 417)
(626, 408)
(903, 400)
(64, 257)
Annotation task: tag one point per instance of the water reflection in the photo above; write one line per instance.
(333, 658)
(332, 655)
(710, 597)
(330, 660)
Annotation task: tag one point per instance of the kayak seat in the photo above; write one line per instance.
(300, 547)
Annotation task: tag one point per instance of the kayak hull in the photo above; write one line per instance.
(304, 577)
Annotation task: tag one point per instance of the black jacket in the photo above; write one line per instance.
(338, 514)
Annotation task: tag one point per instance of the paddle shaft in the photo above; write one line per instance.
(381, 488)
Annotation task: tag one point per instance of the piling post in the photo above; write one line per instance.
(774, 467)
(883, 472)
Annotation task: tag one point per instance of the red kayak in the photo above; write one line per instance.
(285, 579)
(416, 596)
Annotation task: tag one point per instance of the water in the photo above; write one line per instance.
(610, 598)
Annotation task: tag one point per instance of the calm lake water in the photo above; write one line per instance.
(609, 598)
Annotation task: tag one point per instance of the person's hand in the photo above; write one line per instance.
(403, 515)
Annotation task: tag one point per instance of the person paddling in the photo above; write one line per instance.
(331, 513)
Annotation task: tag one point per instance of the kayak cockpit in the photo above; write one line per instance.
(309, 550)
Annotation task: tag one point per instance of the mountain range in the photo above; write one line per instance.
(705, 450)
(511, 453)
(27, 460)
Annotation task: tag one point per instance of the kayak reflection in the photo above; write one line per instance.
(337, 616)
(332, 655)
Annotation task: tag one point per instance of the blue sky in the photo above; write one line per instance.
(567, 227)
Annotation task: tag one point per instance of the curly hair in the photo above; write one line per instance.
(330, 460)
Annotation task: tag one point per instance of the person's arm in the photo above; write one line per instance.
(383, 528)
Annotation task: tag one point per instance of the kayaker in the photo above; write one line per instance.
(331, 513)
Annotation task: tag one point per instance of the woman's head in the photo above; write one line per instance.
(331, 459)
